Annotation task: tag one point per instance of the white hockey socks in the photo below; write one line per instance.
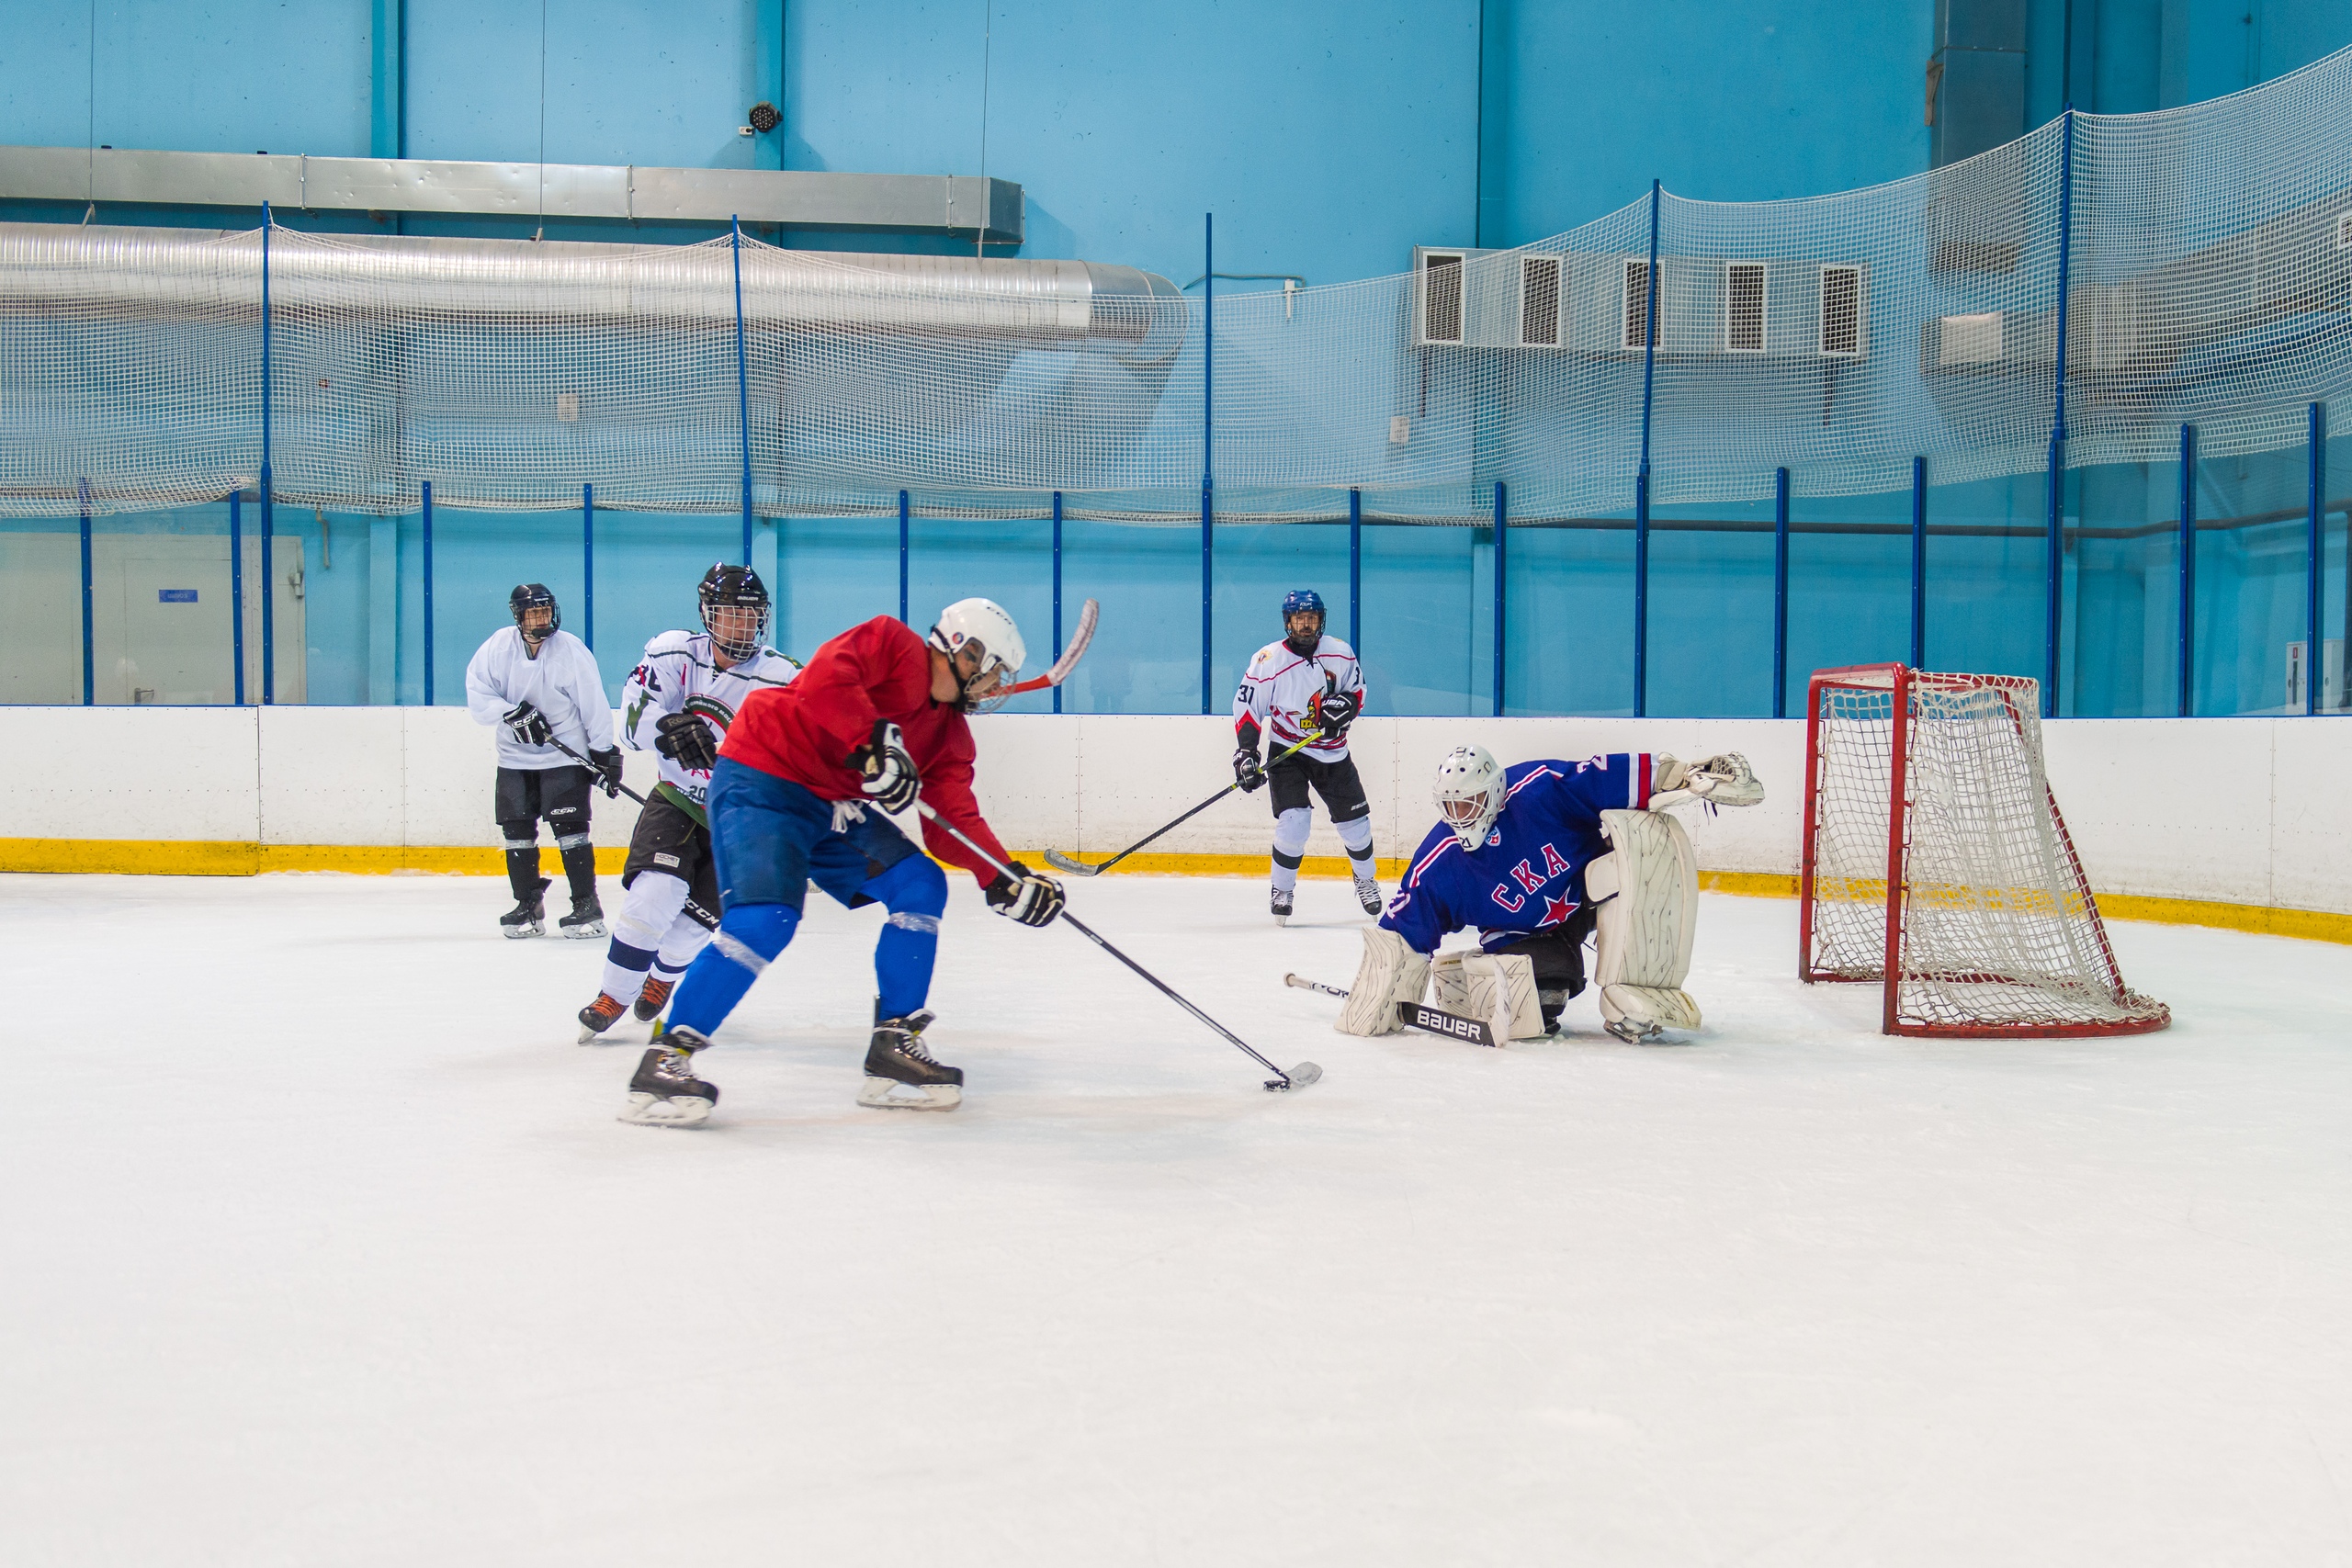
(650, 909)
(1290, 845)
(1390, 973)
(1647, 895)
(1497, 988)
(1356, 839)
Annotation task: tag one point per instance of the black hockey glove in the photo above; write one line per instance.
(1246, 771)
(686, 739)
(1032, 899)
(886, 772)
(528, 725)
(1333, 710)
(607, 764)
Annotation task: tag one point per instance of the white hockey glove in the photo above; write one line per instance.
(1032, 899)
(1723, 780)
(1390, 973)
(886, 770)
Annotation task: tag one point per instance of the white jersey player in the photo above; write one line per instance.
(1304, 691)
(677, 704)
(538, 683)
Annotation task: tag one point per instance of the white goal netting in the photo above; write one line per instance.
(1932, 785)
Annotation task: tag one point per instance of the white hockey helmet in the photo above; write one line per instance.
(1469, 793)
(982, 628)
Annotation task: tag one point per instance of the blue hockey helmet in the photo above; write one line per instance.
(1303, 600)
(1299, 599)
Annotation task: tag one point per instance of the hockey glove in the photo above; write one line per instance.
(1333, 710)
(686, 739)
(528, 725)
(886, 771)
(1032, 899)
(607, 764)
(1247, 772)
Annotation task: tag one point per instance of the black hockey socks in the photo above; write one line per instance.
(523, 872)
(580, 870)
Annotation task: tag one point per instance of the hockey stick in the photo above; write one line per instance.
(594, 769)
(1298, 1077)
(1088, 613)
(1418, 1015)
(1061, 862)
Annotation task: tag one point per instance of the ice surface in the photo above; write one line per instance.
(319, 1245)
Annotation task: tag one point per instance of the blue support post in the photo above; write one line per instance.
(1642, 481)
(89, 606)
(268, 516)
(237, 593)
(743, 384)
(428, 593)
(1208, 451)
(1502, 532)
(1919, 563)
(1058, 591)
(1355, 572)
(2188, 570)
(588, 566)
(2054, 602)
(2314, 639)
(905, 531)
(1781, 593)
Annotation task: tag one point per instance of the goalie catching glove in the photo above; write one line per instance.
(686, 739)
(1722, 780)
(886, 769)
(1032, 899)
(1390, 973)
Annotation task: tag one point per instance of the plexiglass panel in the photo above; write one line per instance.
(1850, 582)
(1711, 610)
(2120, 604)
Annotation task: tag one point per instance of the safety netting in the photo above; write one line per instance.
(2200, 259)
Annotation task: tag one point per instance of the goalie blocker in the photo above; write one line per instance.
(1530, 857)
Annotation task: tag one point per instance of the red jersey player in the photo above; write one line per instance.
(798, 794)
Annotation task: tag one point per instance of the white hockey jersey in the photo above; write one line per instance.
(561, 683)
(1278, 684)
(678, 675)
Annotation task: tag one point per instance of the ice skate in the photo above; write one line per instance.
(1282, 906)
(598, 1016)
(665, 1092)
(1368, 894)
(653, 998)
(586, 919)
(897, 1061)
(529, 917)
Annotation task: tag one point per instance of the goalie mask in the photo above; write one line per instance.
(735, 610)
(985, 648)
(1469, 793)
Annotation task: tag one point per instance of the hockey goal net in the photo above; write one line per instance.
(1936, 862)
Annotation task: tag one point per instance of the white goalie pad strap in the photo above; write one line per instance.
(1646, 890)
(1390, 973)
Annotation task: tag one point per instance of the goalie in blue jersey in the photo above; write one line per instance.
(1536, 858)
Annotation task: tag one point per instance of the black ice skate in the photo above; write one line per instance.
(897, 1060)
(1282, 906)
(586, 919)
(529, 917)
(598, 1016)
(652, 998)
(1368, 894)
(665, 1092)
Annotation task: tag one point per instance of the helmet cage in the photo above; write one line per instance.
(1470, 792)
(726, 587)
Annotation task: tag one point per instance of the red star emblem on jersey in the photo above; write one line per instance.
(1555, 910)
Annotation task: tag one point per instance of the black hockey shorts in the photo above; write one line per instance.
(1336, 782)
(560, 794)
(672, 843)
(1557, 954)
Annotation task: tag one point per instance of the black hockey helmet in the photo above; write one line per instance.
(730, 587)
(534, 596)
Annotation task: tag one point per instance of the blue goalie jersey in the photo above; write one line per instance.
(1528, 875)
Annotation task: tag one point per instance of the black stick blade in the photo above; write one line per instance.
(1299, 1077)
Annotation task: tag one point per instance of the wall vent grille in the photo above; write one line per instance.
(1744, 307)
(1637, 304)
(1841, 311)
(1441, 297)
(1539, 302)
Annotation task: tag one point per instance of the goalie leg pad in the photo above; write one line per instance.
(1390, 973)
(1647, 895)
(1498, 990)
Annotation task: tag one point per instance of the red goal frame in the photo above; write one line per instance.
(2021, 697)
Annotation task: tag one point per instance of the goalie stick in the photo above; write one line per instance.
(1061, 862)
(1298, 1077)
(1088, 613)
(1418, 1015)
